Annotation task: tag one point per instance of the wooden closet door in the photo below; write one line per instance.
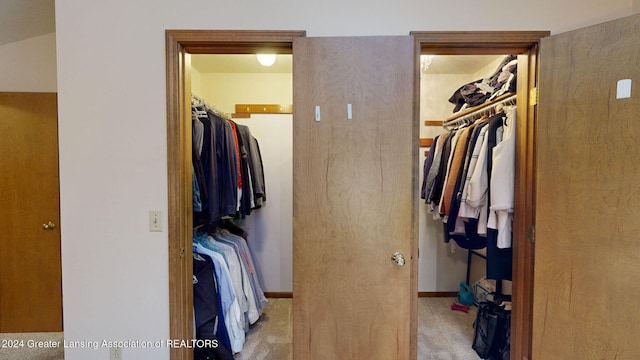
(355, 197)
(30, 260)
(587, 245)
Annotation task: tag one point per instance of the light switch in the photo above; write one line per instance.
(624, 89)
(155, 221)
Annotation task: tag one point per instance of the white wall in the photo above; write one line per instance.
(270, 228)
(252, 88)
(196, 82)
(29, 65)
(112, 130)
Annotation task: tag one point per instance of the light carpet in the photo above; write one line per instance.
(31, 346)
(443, 334)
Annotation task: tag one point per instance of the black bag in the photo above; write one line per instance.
(492, 335)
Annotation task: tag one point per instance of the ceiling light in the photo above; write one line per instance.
(266, 59)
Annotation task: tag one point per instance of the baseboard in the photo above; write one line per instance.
(289, 295)
(283, 295)
(437, 294)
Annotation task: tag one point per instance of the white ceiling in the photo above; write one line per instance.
(240, 64)
(460, 64)
(441, 64)
(23, 19)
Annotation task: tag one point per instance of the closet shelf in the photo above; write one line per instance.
(472, 113)
(433, 122)
(426, 142)
(245, 110)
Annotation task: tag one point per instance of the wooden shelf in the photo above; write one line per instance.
(433, 123)
(245, 110)
(426, 142)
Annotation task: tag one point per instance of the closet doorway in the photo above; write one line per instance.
(182, 43)
(525, 46)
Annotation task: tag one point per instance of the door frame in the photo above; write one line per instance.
(526, 45)
(181, 43)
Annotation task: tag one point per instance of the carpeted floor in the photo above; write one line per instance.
(443, 334)
(31, 346)
(272, 336)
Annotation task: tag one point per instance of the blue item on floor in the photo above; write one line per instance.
(465, 296)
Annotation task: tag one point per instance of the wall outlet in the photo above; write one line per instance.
(115, 353)
(155, 220)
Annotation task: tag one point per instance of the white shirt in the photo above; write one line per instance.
(502, 182)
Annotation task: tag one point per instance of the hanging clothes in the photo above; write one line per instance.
(502, 182)
(468, 183)
(227, 166)
(228, 182)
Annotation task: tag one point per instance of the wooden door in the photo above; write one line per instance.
(354, 198)
(30, 266)
(587, 243)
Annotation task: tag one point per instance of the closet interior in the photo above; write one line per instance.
(457, 93)
(467, 112)
(242, 190)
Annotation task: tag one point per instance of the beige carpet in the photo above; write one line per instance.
(443, 334)
(31, 346)
(271, 336)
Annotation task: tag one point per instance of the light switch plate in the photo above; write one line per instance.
(155, 221)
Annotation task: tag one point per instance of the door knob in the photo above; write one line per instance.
(48, 226)
(398, 259)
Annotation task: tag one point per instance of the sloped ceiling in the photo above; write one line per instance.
(23, 19)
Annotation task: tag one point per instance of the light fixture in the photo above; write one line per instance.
(266, 59)
(425, 61)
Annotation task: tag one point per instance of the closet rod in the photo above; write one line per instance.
(197, 100)
(474, 113)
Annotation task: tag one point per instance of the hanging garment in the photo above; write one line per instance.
(204, 297)
(472, 157)
(251, 313)
(233, 321)
(251, 152)
(455, 168)
(428, 161)
(502, 183)
(468, 210)
(227, 171)
(432, 178)
(245, 254)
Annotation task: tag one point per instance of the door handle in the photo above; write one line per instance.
(48, 226)
(398, 259)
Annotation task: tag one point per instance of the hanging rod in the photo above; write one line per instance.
(472, 114)
(197, 100)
